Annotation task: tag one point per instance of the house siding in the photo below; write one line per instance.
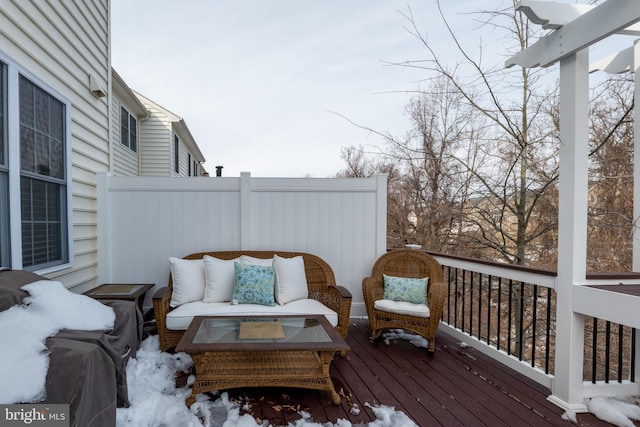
(155, 152)
(61, 44)
(157, 142)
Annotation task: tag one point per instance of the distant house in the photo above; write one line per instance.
(64, 116)
(167, 147)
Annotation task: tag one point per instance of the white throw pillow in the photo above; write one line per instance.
(291, 279)
(220, 277)
(249, 260)
(188, 280)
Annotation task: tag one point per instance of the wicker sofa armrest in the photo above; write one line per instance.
(344, 292)
(337, 298)
(162, 293)
(161, 307)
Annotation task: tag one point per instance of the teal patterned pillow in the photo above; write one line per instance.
(254, 285)
(405, 289)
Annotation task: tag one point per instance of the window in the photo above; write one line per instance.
(128, 130)
(176, 154)
(5, 248)
(43, 187)
(188, 164)
(34, 172)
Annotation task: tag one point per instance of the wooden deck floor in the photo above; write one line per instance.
(452, 387)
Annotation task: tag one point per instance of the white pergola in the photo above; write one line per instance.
(576, 27)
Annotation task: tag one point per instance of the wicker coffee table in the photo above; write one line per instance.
(262, 351)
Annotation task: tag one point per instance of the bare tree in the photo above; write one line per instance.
(427, 186)
(517, 141)
(610, 220)
(358, 164)
(436, 187)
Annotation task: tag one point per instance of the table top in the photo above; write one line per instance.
(113, 290)
(248, 333)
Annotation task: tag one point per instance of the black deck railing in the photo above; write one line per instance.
(609, 351)
(509, 315)
(517, 316)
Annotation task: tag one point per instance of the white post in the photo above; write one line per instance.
(635, 68)
(381, 214)
(572, 228)
(246, 236)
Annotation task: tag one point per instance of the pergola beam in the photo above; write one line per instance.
(620, 62)
(551, 15)
(611, 17)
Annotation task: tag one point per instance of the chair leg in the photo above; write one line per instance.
(376, 335)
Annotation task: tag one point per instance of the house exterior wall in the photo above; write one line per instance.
(59, 45)
(157, 146)
(144, 221)
(156, 143)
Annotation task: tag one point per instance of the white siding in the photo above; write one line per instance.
(144, 221)
(62, 43)
(157, 153)
(156, 142)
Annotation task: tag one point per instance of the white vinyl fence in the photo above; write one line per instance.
(142, 221)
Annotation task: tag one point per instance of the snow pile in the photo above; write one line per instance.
(395, 334)
(617, 411)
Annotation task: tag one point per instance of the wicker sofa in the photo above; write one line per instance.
(324, 297)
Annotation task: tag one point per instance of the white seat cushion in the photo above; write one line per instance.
(179, 318)
(402, 307)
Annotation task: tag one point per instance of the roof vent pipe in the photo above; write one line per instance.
(219, 170)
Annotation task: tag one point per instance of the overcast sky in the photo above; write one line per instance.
(262, 83)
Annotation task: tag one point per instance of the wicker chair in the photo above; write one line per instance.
(412, 264)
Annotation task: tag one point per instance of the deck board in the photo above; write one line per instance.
(453, 387)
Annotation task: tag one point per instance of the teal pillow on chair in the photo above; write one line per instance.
(254, 285)
(405, 289)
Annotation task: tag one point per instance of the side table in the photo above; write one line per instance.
(123, 291)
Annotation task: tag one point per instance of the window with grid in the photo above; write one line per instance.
(128, 130)
(43, 186)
